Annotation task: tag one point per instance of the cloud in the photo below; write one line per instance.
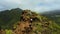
(35, 5)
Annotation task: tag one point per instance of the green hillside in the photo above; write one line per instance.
(9, 17)
(53, 15)
(11, 21)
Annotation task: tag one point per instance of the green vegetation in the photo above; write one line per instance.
(9, 17)
(43, 24)
(53, 15)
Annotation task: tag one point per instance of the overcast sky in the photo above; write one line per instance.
(35, 5)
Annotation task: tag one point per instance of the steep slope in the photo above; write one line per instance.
(17, 21)
(53, 15)
(9, 17)
(33, 23)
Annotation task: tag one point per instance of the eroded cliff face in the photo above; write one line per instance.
(32, 23)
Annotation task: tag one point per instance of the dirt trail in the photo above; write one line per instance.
(25, 25)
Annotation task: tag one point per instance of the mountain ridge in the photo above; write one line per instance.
(27, 22)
